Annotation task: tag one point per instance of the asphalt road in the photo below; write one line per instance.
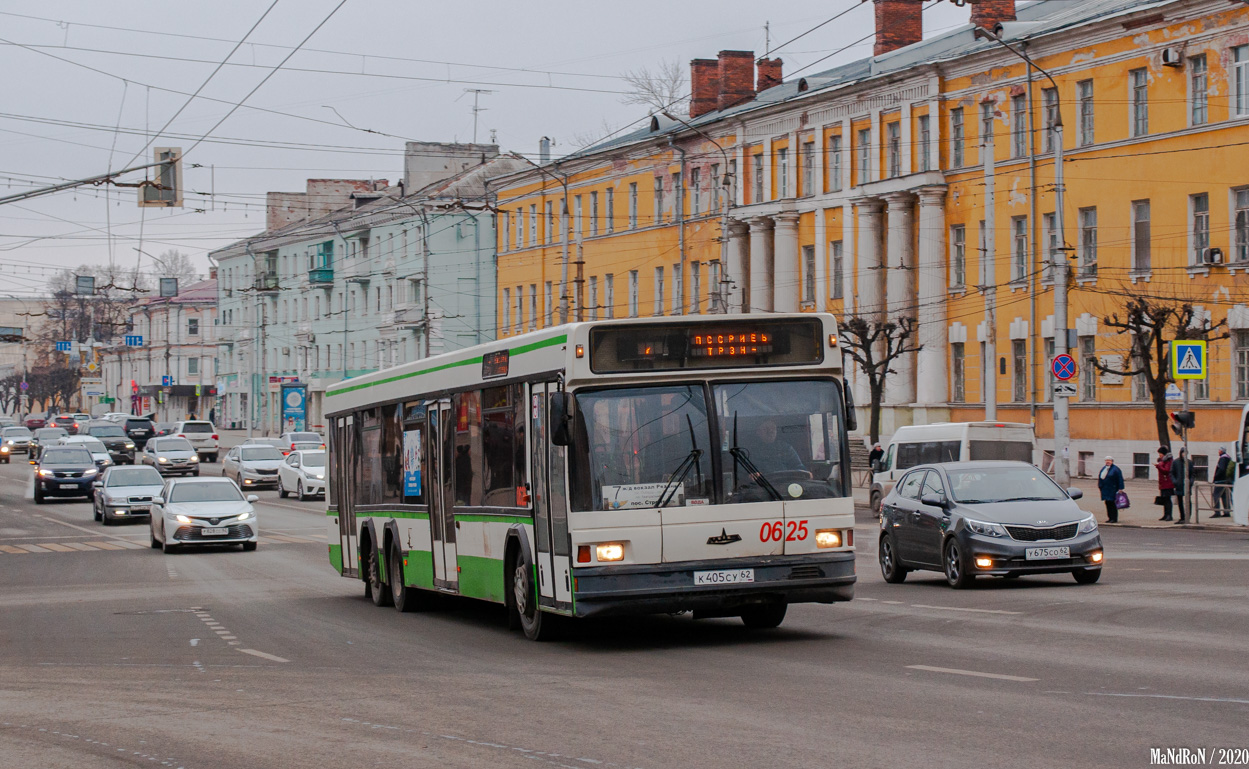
(115, 655)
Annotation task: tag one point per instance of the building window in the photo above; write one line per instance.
(1049, 233)
(610, 209)
(1019, 356)
(504, 229)
(1049, 373)
(633, 293)
(756, 180)
(958, 372)
(1241, 217)
(192, 326)
(1049, 98)
(696, 190)
(839, 265)
(533, 224)
(808, 168)
(577, 212)
(696, 287)
(1088, 371)
(519, 321)
(1240, 340)
(834, 164)
(808, 274)
(782, 173)
(549, 235)
(1088, 241)
(957, 137)
(658, 214)
(593, 213)
(1140, 101)
(987, 113)
(549, 296)
(1019, 237)
(1019, 125)
(678, 197)
(1141, 260)
(633, 205)
(984, 258)
(925, 143)
(609, 296)
(732, 183)
(192, 366)
(507, 307)
(1198, 90)
(895, 150)
(678, 288)
(958, 255)
(1140, 388)
(520, 229)
(714, 182)
(865, 156)
(533, 306)
(1201, 226)
(713, 293)
(593, 297)
(659, 291)
(1240, 79)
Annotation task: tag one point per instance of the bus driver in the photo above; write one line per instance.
(769, 452)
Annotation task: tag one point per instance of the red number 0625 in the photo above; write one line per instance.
(790, 531)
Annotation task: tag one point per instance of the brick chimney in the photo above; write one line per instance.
(737, 78)
(986, 13)
(899, 23)
(704, 86)
(767, 74)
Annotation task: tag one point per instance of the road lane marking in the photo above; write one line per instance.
(961, 608)
(12, 549)
(974, 673)
(34, 549)
(82, 546)
(264, 655)
(1171, 697)
(56, 547)
(105, 545)
(94, 532)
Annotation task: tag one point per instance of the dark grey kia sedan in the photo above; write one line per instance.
(1001, 519)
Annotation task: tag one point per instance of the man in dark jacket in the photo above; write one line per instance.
(876, 453)
(1110, 483)
(1181, 478)
(1222, 500)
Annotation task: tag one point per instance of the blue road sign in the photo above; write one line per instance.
(1063, 366)
(134, 340)
(64, 346)
(1188, 360)
(166, 381)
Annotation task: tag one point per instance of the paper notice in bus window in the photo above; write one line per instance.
(412, 463)
(638, 495)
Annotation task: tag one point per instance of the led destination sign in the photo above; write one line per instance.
(705, 345)
(731, 344)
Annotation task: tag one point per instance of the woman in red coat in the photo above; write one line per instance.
(1166, 487)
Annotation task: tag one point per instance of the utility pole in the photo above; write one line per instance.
(476, 92)
(989, 268)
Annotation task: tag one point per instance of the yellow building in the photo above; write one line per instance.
(864, 190)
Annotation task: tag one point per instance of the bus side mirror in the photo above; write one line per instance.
(852, 419)
(560, 417)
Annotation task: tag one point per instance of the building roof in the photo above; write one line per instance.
(202, 292)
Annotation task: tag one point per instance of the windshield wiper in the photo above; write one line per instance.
(678, 478)
(739, 455)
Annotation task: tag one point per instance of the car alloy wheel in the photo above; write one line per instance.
(955, 571)
(890, 569)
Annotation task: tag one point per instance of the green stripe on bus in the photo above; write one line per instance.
(481, 577)
(524, 348)
(336, 557)
(509, 519)
(392, 514)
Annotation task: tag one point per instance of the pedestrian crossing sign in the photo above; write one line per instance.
(1188, 359)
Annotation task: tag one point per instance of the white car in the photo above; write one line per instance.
(302, 474)
(290, 441)
(116, 416)
(201, 434)
(99, 452)
(252, 465)
(203, 511)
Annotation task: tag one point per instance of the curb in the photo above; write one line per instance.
(1225, 528)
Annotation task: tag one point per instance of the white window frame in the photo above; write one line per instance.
(633, 294)
(507, 308)
(609, 296)
(1019, 248)
(593, 304)
(958, 255)
(958, 138)
(659, 291)
(808, 169)
(756, 177)
(678, 288)
(808, 274)
(1138, 102)
(894, 133)
(837, 252)
(925, 143)
(1086, 113)
(1240, 225)
(782, 172)
(1087, 218)
(549, 306)
(1198, 90)
(1198, 226)
(865, 155)
(1239, 81)
(609, 210)
(696, 287)
(1019, 126)
(834, 163)
(696, 192)
(1141, 265)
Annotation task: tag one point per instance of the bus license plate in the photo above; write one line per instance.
(724, 577)
(1046, 553)
(219, 532)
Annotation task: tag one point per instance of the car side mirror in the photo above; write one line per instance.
(1074, 493)
(933, 500)
(158, 500)
(560, 416)
(97, 484)
(253, 498)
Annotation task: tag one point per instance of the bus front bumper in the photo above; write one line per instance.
(602, 591)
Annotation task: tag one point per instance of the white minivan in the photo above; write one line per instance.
(949, 442)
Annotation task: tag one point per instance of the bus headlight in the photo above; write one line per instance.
(611, 551)
(827, 538)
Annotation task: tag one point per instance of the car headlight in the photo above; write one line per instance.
(244, 516)
(90, 471)
(1088, 525)
(130, 445)
(195, 457)
(46, 473)
(5, 448)
(162, 460)
(985, 529)
(320, 476)
(182, 519)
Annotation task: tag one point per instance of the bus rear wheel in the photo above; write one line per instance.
(765, 616)
(379, 591)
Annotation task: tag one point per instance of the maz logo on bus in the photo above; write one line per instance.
(773, 531)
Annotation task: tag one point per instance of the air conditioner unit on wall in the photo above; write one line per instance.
(1212, 256)
(1172, 57)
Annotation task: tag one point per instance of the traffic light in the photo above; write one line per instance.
(1182, 420)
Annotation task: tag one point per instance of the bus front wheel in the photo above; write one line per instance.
(524, 601)
(765, 616)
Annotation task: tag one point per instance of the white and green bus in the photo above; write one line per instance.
(612, 467)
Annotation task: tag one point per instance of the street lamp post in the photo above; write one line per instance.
(1062, 428)
(25, 327)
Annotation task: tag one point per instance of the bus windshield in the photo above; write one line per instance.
(647, 447)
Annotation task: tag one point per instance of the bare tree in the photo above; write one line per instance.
(660, 89)
(172, 263)
(874, 345)
(1152, 323)
(68, 316)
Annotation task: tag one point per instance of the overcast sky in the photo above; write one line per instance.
(382, 65)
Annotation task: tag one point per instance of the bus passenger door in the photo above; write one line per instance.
(550, 505)
(1240, 486)
(440, 450)
(344, 479)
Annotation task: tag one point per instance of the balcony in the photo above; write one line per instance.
(321, 276)
(409, 317)
(266, 282)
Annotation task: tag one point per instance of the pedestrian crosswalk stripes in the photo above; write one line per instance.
(27, 548)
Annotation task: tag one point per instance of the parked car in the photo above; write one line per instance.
(307, 447)
(139, 429)
(115, 416)
(35, 421)
(252, 466)
(44, 436)
(14, 440)
(201, 434)
(203, 511)
(65, 471)
(289, 440)
(1002, 519)
(276, 443)
(8, 421)
(114, 438)
(303, 474)
(171, 456)
(124, 493)
(99, 452)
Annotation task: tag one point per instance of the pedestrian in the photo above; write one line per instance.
(1222, 501)
(1181, 478)
(1166, 486)
(874, 455)
(1110, 483)
(212, 415)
